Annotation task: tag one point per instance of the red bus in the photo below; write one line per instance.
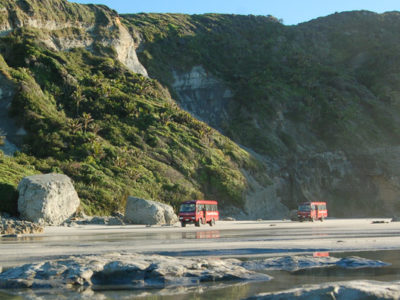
(312, 211)
(199, 212)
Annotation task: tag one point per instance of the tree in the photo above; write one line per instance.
(86, 120)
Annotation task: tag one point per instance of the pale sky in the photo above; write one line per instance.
(291, 11)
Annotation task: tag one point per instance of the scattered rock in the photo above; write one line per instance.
(47, 199)
(349, 290)
(13, 227)
(96, 220)
(380, 222)
(129, 270)
(10, 236)
(140, 211)
(295, 263)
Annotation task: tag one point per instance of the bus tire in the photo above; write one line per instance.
(197, 223)
(322, 219)
(212, 222)
(183, 224)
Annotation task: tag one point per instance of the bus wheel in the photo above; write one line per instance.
(183, 224)
(197, 224)
(322, 219)
(212, 222)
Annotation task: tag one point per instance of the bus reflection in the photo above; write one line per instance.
(213, 234)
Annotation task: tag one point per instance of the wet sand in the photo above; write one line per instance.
(227, 238)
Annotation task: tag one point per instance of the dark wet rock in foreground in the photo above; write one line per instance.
(126, 270)
(349, 290)
(295, 263)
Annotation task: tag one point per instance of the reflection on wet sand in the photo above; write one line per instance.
(22, 238)
(321, 254)
(214, 234)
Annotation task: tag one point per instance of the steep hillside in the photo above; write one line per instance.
(75, 106)
(105, 98)
(317, 102)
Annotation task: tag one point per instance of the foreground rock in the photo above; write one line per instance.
(140, 211)
(125, 270)
(47, 199)
(295, 263)
(10, 226)
(339, 290)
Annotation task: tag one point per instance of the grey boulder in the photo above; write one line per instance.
(148, 212)
(47, 199)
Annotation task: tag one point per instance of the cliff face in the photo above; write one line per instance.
(65, 26)
(203, 95)
(316, 103)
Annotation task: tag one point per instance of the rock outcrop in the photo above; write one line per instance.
(141, 211)
(349, 290)
(203, 95)
(127, 270)
(47, 199)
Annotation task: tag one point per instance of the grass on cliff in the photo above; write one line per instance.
(11, 173)
(115, 133)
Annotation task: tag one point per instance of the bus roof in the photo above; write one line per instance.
(313, 202)
(200, 202)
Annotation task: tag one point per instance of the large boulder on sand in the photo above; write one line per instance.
(140, 211)
(47, 199)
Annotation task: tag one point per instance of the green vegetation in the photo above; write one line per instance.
(115, 133)
(12, 170)
(285, 76)
(60, 11)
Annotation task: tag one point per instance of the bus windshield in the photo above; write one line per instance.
(304, 208)
(188, 207)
